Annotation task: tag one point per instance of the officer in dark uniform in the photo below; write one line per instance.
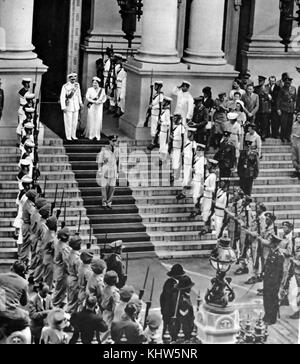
(226, 156)
(273, 275)
(263, 115)
(114, 263)
(248, 169)
(200, 120)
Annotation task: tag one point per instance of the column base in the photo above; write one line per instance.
(157, 58)
(138, 88)
(218, 325)
(205, 58)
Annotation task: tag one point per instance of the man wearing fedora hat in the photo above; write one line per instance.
(286, 105)
(184, 312)
(168, 297)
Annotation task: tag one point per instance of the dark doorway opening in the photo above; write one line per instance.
(50, 38)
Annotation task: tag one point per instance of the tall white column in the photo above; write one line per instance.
(16, 20)
(159, 32)
(206, 31)
(17, 58)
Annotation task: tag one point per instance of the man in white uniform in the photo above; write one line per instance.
(71, 103)
(221, 205)
(185, 102)
(177, 146)
(165, 126)
(121, 76)
(156, 110)
(210, 185)
(199, 164)
(189, 154)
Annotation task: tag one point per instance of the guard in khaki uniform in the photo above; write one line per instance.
(108, 167)
(165, 126)
(177, 145)
(189, 154)
(71, 103)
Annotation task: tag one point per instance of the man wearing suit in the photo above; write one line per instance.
(1, 99)
(251, 101)
(39, 307)
(286, 104)
(71, 103)
(273, 90)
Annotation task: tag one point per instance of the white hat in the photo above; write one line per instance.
(25, 162)
(240, 102)
(29, 143)
(202, 146)
(116, 244)
(74, 74)
(26, 79)
(166, 98)
(96, 79)
(213, 162)
(29, 96)
(28, 126)
(185, 82)
(29, 110)
(232, 116)
(192, 129)
(159, 82)
(118, 55)
(26, 179)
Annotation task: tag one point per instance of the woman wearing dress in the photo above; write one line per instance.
(95, 97)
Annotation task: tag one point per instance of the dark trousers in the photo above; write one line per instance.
(286, 125)
(246, 185)
(275, 123)
(263, 124)
(271, 303)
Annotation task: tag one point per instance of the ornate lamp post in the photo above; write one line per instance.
(131, 11)
(286, 20)
(217, 318)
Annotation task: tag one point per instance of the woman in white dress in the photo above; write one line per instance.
(95, 97)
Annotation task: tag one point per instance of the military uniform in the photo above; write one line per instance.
(185, 104)
(22, 98)
(165, 131)
(177, 147)
(189, 154)
(73, 263)
(156, 109)
(109, 70)
(273, 273)
(209, 190)
(226, 158)
(84, 274)
(286, 102)
(198, 175)
(248, 169)
(296, 147)
(263, 115)
(221, 204)
(114, 262)
(200, 119)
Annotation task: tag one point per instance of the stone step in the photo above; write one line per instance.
(166, 208)
(45, 168)
(11, 203)
(271, 197)
(170, 236)
(192, 225)
(115, 218)
(120, 227)
(8, 253)
(125, 236)
(50, 194)
(71, 211)
(7, 232)
(42, 150)
(184, 246)
(70, 220)
(96, 191)
(93, 210)
(52, 176)
(277, 157)
(161, 200)
(51, 184)
(275, 172)
(168, 254)
(118, 200)
(43, 158)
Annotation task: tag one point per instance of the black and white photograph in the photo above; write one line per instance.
(149, 175)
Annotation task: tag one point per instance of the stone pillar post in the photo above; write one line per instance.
(206, 30)
(159, 34)
(16, 58)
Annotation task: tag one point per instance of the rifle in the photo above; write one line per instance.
(127, 263)
(89, 245)
(35, 81)
(174, 317)
(158, 129)
(63, 224)
(149, 110)
(275, 227)
(171, 138)
(58, 212)
(79, 224)
(149, 304)
(55, 197)
(142, 291)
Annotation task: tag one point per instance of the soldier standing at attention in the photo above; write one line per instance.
(296, 147)
(1, 99)
(264, 112)
(286, 103)
(71, 103)
(198, 178)
(114, 262)
(226, 156)
(156, 111)
(248, 169)
(165, 126)
(177, 146)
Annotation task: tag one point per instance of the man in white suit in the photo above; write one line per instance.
(71, 103)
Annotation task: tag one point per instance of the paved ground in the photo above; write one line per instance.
(284, 332)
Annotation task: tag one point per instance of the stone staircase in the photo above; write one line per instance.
(124, 221)
(175, 235)
(55, 165)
